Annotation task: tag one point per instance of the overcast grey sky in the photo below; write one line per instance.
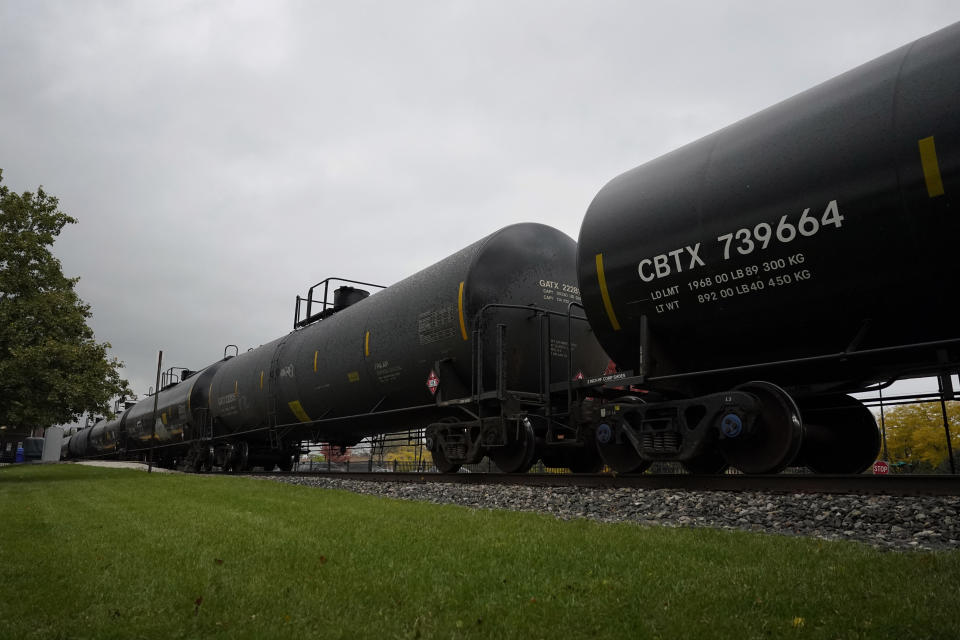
(222, 156)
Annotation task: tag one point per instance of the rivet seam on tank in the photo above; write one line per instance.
(931, 168)
(366, 345)
(602, 280)
(463, 326)
(315, 354)
(298, 411)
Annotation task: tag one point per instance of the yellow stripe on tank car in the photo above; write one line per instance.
(298, 411)
(602, 280)
(261, 380)
(463, 326)
(315, 354)
(366, 345)
(931, 167)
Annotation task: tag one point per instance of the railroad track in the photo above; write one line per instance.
(904, 485)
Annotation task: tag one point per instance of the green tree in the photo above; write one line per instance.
(52, 370)
(915, 435)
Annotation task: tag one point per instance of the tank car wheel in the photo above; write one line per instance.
(241, 456)
(518, 455)
(621, 456)
(442, 463)
(206, 464)
(194, 460)
(440, 459)
(776, 436)
(709, 462)
(840, 435)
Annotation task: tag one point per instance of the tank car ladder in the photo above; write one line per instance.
(275, 437)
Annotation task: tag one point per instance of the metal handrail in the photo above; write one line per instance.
(310, 316)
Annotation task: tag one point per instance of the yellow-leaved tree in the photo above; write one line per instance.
(916, 437)
(406, 453)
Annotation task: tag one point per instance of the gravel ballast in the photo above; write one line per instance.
(886, 522)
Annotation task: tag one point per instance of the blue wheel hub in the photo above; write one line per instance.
(604, 433)
(731, 425)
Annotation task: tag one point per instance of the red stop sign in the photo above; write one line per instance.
(880, 468)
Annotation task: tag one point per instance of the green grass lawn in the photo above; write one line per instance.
(100, 553)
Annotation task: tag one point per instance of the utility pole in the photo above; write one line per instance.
(153, 422)
(946, 391)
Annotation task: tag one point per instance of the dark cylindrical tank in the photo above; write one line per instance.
(382, 353)
(104, 437)
(173, 418)
(825, 223)
(77, 447)
(182, 412)
(65, 451)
